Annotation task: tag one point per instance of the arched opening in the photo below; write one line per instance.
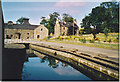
(11, 36)
(7, 36)
(41, 29)
(27, 37)
(38, 36)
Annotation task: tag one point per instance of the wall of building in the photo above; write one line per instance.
(64, 31)
(40, 32)
(19, 34)
(57, 29)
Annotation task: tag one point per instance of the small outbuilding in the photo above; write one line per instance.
(24, 30)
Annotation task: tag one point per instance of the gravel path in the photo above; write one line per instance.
(112, 54)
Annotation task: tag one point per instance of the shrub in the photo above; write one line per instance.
(83, 40)
(109, 40)
(115, 40)
(67, 38)
(91, 41)
(60, 37)
(96, 39)
(104, 41)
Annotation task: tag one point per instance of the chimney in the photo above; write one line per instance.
(26, 21)
(10, 23)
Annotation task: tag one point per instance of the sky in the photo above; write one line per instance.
(35, 10)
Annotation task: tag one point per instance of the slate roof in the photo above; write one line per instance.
(67, 24)
(21, 26)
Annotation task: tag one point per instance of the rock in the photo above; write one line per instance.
(74, 50)
(101, 55)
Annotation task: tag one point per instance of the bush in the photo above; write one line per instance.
(109, 40)
(104, 41)
(91, 41)
(60, 38)
(96, 39)
(115, 40)
(83, 40)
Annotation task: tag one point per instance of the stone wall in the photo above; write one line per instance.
(40, 32)
(18, 34)
(57, 30)
(64, 30)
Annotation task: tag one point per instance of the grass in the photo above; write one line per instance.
(101, 37)
(111, 36)
(98, 45)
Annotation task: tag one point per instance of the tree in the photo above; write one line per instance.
(101, 18)
(20, 20)
(50, 23)
(112, 14)
(44, 21)
(87, 25)
(67, 18)
(96, 19)
(106, 31)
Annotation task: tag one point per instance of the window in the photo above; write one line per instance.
(27, 37)
(41, 29)
(28, 33)
(11, 36)
(7, 36)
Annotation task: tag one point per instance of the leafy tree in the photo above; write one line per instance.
(106, 31)
(96, 20)
(102, 17)
(43, 17)
(87, 25)
(50, 23)
(67, 18)
(112, 14)
(20, 20)
(44, 21)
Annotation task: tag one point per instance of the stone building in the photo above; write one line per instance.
(24, 30)
(63, 28)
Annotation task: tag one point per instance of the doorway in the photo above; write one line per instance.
(38, 36)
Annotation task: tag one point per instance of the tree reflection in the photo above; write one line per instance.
(64, 64)
(54, 63)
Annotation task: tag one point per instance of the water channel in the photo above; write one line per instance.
(22, 64)
(49, 68)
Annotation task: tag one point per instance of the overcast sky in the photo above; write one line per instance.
(35, 10)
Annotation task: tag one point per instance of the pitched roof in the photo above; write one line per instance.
(68, 24)
(21, 26)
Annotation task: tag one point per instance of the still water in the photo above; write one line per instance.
(48, 68)
(22, 64)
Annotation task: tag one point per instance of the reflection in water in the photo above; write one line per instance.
(49, 68)
(52, 61)
(19, 64)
